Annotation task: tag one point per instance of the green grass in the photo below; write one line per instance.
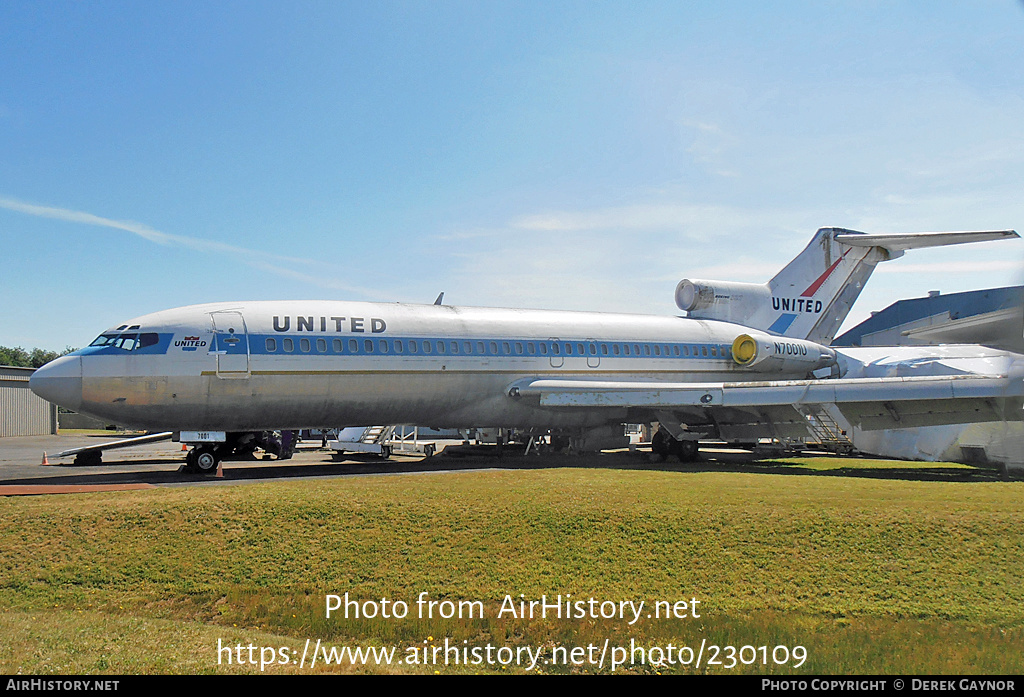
(871, 575)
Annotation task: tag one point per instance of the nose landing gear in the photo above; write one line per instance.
(202, 459)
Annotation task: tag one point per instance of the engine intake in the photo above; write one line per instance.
(765, 353)
(722, 300)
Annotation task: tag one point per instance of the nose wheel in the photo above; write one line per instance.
(202, 459)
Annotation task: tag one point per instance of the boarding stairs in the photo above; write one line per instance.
(363, 439)
(376, 434)
(380, 440)
(824, 431)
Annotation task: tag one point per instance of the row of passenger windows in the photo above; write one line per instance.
(493, 348)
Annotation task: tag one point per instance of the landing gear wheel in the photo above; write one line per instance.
(687, 450)
(661, 445)
(92, 458)
(204, 459)
(428, 451)
(385, 452)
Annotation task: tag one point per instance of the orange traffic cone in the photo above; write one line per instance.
(45, 461)
(220, 471)
(184, 448)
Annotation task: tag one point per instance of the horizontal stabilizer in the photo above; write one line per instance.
(916, 240)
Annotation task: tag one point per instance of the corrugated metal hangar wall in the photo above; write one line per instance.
(22, 413)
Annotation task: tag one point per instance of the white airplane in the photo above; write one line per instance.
(743, 364)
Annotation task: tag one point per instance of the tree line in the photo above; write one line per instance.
(36, 358)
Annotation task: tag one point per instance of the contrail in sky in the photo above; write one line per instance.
(272, 263)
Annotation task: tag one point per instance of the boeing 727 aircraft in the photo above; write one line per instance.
(743, 363)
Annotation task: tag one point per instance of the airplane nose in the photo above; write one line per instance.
(60, 382)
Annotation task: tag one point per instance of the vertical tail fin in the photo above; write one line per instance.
(813, 294)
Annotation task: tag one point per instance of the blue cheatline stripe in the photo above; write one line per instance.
(511, 347)
(780, 325)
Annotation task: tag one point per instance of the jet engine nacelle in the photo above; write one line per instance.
(721, 300)
(766, 353)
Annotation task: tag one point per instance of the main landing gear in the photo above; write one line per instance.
(663, 445)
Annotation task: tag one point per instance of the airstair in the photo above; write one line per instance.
(824, 431)
(380, 440)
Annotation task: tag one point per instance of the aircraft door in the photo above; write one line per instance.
(555, 357)
(593, 357)
(230, 344)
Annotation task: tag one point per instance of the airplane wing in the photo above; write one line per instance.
(777, 407)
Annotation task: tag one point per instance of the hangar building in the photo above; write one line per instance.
(993, 317)
(22, 413)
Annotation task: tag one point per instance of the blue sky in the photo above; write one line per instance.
(527, 154)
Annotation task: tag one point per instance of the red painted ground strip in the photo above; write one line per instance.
(38, 489)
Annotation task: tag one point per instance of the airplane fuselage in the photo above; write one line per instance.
(251, 366)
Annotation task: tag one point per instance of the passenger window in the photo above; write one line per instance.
(289, 345)
(338, 346)
(531, 348)
(304, 345)
(321, 345)
(367, 345)
(604, 349)
(454, 346)
(382, 345)
(467, 347)
(625, 349)
(568, 349)
(440, 347)
(271, 345)
(615, 349)
(544, 349)
(353, 346)
(480, 348)
(399, 346)
(494, 348)
(413, 348)
(555, 349)
(704, 350)
(505, 348)
(714, 350)
(519, 348)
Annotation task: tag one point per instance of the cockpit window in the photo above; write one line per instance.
(103, 340)
(127, 342)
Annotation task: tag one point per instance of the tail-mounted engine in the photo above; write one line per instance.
(721, 300)
(764, 353)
